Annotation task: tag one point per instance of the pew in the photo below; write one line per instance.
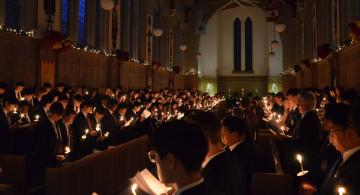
(21, 174)
(106, 172)
(6, 189)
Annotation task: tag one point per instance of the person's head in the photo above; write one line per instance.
(122, 108)
(40, 93)
(19, 86)
(112, 105)
(46, 101)
(60, 87)
(10, 104)
(292, 96)
(307, 101)
(279, 97)
(99, 113)
(178, 149)
(87, 106)
(24, 107)
(63, 99)
(69, 116)
(3, 87)
(287, 104)
(136, 106)
(210, 125)
(77, 100)
(233, 130)
(335, 116)
(348, 137)
(47, 86)
(56, 111)
(28, 94)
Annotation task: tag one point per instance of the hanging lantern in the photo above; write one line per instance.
(274, 44)
(107, 4)
(280, 27)
(183, 47)
(157, 32)
(272, 54)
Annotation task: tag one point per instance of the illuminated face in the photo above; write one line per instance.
(163, 167)
(338, 138)
(226, 136)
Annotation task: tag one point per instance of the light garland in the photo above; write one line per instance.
(17, 31)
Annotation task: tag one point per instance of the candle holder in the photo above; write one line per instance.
(302, 172)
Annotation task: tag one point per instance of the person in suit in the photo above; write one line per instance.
(3, 88)
(44, 107)
(6, 110)
(294, 115)
(65, 125)
(19, 86)
(220, 168)
(84, 136)
(178, 149)
(345, 171)
(305, 141)
(233, 133)
(50, 137)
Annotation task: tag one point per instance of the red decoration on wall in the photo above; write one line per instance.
(272, 11)
(56, 41)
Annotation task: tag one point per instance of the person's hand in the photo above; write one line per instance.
(93, 133)
(308, 189)
(60, 157)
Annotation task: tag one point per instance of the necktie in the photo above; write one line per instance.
(333, 174)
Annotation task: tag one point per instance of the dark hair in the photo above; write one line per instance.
(46, 99)
(3, 85)
(112, 102)
(47, 85)
(182, 139)
(337, 113)
(88, 103)
(11, 100)
(122, 106)
(292, 92)
(100, 110)
(27, 91)
(209, 123)
(19, 84)
(56, 108)
(63, 97)
(69, 112)
(77, 98)
(235, 125)
(60, 84)
(280, 95)
(24, 104)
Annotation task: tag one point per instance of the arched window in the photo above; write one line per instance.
(237, 45)
(82, 23)
(65, 17)
(12, 13)
(248, 45)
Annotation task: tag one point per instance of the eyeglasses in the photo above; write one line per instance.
(152, 156)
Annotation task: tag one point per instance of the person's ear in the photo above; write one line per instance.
(171, 160)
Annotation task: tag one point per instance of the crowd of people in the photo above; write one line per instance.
(66, 124)
(201, 144)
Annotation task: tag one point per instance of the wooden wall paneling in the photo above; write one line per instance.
(19, 59)
(299, 79)
(323, 73)
(307, 77)
(349, 67)
(179, 80)
(288, 81)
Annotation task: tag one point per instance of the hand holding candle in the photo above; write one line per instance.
(133, 188)
(302, 172)
(37, 117)
(67, 150)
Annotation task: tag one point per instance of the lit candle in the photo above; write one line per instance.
(121, 118)
(86, 93)
(22, 115)
(83, 137)
(302, 172)
(67, 150)
(317, 109)
(97, 128)
(22, 99)
(15, 111)
(282, 129)
(37, 117)
(341, 190)
(133, 188)
(107, 134)
(86, 131)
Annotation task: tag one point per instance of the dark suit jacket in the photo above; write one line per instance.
(201, 189)
(346, 175)
(5, 133)
(292, 120)
(305, 141)
(49, 145)
(81, 147)
(243, 153)
(225, 174)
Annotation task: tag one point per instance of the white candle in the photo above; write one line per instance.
(83, 137)
(302, 172)
(121, 118)
(86, 131)
(106, 134)
(37, 117)
(282, 129)
(133, 188)
(67, 150)
(341, 190)
(15, 111)
(98, 127)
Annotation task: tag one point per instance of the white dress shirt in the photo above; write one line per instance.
(196, 183)
(347, 154)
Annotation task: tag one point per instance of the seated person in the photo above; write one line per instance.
(179, 148)
(6, 110)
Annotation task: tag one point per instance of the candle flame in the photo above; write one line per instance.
(341, 190)
(67, 150)
(133, 188)
(299, 158)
